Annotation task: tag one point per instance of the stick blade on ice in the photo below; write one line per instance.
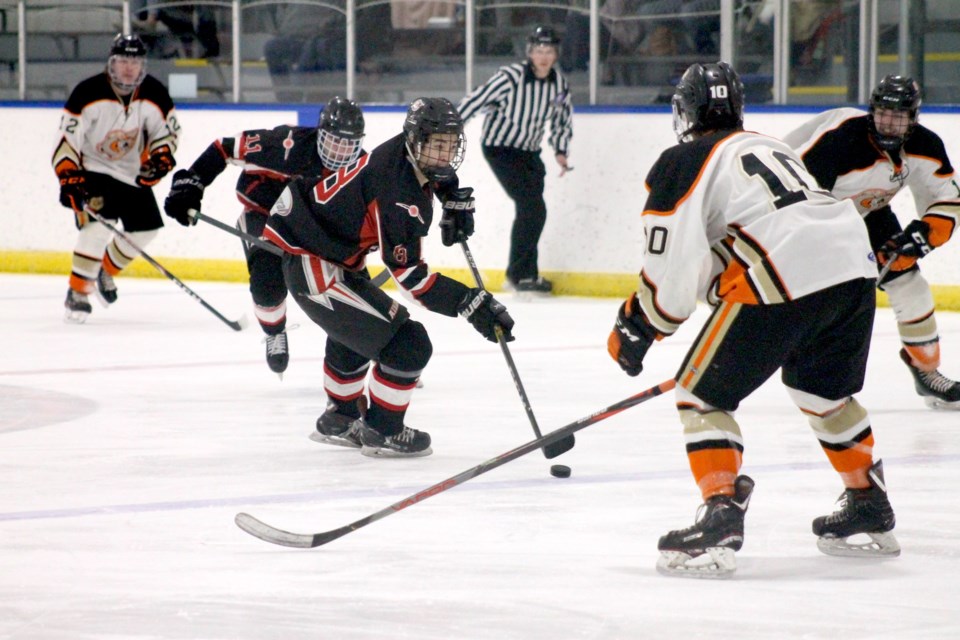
(265, 532)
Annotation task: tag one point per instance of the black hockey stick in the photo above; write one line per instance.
(377, 280)
(556, 448)
(236, 325)
(267, 533)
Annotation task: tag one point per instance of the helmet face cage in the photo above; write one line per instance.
(438, 158)
(126, 47)
(708, 97)
(894, 96)
(340, 133)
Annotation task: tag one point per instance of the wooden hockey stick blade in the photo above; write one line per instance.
(267, 533)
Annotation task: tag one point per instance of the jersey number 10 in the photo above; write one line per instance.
(776, 176)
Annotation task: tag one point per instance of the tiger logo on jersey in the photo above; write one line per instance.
(118, 143)
(872, 199)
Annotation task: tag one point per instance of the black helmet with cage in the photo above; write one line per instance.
(900, 95)
(708, 97)
(543, 35)
(427, 117)
(127, 47)
(340, 133)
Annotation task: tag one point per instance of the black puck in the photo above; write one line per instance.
(560, 471)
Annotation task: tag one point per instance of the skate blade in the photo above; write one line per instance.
(861, 545)
(377, 452)
(316, 436)
(75, 317)
(941, 405)
(716, 563)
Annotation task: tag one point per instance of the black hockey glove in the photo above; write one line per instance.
(632, 335)
(456, 224)
(159, 164)
(914, 241)
(73, 189)
(185, 194)
(486, 314)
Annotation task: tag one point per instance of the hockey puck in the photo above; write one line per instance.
(560, 471)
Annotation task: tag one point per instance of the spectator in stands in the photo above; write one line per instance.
(187, 23)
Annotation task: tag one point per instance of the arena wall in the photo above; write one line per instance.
(591, 245)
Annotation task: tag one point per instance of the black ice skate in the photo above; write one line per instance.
(538, 285)
(78, 307)
(337, 428)
(409, 443)
(106, 287)
(938, 391)
(278, 356)
(862, 511)
(706, 550)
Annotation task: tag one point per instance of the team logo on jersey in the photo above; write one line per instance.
(400, 254)
(872, 199)
(284, 203)
(412, 210)
(287, 146)
(118, 143)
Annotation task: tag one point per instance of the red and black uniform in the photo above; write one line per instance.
(327, 227)
(269, 159)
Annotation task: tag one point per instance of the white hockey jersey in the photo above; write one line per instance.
(100, 133)
(734, 215)
(837, 149)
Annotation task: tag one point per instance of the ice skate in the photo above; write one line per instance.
(937, 390)
(78, 307)
(706, 550)
(278, 355)
(529, 287)
(409, 443)
(864, 513)
(337, 428)
(106, 288)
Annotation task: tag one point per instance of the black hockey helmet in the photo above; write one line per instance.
(543, 35)
(127, 46)
(895, 93)
(340, 133)
(425, 118)
(708, 97)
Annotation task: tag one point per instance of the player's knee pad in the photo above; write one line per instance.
(121, 253)
(701, 420)
(910, 297)
(409, 351)
(830, 418)
(92, 240)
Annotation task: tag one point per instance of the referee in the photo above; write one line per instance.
(519, 100)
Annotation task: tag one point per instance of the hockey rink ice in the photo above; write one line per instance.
(128, 445)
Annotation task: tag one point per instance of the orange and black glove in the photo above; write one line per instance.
(631, 337)
(909, 245)
(159, 164)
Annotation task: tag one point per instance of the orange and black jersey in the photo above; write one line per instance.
(269, 159)
(382, 202)
(837, 148)
(110, 134)
(735, 215)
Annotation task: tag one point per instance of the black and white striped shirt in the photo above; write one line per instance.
(518, 107)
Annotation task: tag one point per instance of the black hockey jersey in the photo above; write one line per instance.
(269, 159)
(100, 132)
(381, 201)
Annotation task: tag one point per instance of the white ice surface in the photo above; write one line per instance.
(127, 446)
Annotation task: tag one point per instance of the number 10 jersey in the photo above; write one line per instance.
(734, 215)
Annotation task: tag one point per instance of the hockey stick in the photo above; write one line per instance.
(886, 268)
(236, 325)
(267, 533)
(377, 280)
(556, 448)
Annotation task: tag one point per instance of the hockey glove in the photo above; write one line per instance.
(73, 189)
(159, 164)
(456, 224)
(486, 314)
(910, 244)
(632, 335)
(185, 194)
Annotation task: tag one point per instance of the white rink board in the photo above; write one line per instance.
(593, 223)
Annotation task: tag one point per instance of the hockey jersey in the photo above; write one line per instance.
(838, 150)
(99, 132)
(268, 158)
(382, 202)
(734, 215)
